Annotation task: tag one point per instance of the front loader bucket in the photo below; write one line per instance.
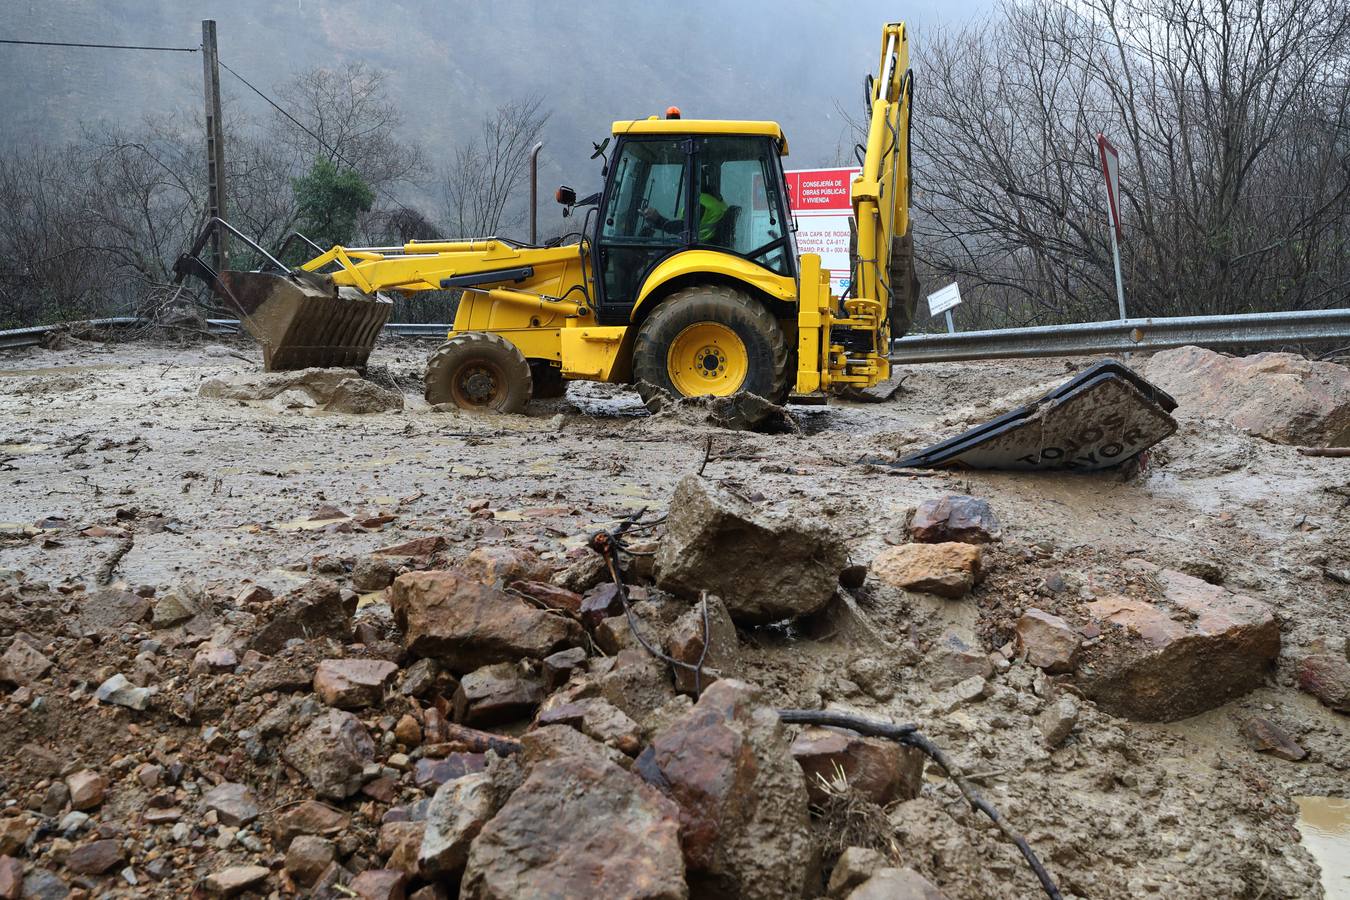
(303, 320)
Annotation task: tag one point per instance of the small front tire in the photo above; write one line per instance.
(480, 372)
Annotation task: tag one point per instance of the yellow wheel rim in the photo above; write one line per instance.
(707, 358)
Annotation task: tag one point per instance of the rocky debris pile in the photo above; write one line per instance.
(1281, 397)
(331, 390)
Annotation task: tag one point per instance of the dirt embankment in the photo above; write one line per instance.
(274, 732)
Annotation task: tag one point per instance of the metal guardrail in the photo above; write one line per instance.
(1086, 338)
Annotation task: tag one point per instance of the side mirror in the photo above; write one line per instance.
(565, 196)
(599, 148)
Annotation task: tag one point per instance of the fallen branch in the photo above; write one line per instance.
(1325, 451)
(474, 741)
(105, 571)
(909, 735)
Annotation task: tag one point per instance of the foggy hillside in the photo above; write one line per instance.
(451, 62)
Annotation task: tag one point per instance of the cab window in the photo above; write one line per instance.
(739, 195)
(649, 175)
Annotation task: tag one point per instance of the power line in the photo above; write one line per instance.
(298, 124)
(101, 46)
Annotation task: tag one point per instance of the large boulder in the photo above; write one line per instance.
(1191, 649)
(332, 753)
(353, 683)
(744, 824)
(578, 826)
(465, 624)
(1281, 397)
(457, 812)
(765, 567)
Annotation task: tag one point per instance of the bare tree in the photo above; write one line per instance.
(484, 175)
(1231, 116)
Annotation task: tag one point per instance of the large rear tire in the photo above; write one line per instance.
(710, 340)
(480, 372)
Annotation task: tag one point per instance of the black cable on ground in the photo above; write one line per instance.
(909, 736)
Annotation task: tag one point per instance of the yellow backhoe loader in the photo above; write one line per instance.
(685, 278)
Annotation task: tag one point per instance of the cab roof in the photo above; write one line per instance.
(655, 125)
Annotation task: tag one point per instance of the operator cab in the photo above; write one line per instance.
(687, 184)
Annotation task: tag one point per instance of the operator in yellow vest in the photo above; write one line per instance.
(712, 208)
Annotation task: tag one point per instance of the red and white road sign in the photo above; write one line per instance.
(821, 200)
(1111, 171)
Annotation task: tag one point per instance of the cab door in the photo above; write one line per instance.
(645, 217)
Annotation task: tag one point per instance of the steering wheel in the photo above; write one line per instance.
(646, 230)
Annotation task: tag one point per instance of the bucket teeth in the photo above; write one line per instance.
(304, 321)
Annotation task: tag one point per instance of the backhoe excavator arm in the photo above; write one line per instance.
(881, 191)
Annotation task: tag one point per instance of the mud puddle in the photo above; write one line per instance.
(1324, 823)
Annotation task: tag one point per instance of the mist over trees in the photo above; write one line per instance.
(1232, 118)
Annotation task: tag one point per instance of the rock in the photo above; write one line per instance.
(172, 609)
(1281, 397)
(234, 880)
(855, 865)
(420, 678)
(1048, 641)
(1195, 648)
(954, 658)
(214, 660)
(457, 812)
(578, 827)
(379, 884)
(353, 683)
(465, 625)
(108, 610)
(490, 565)
(121, 692)
(234, 804)
(1057, 720)
(582, 575)
(11, 878)
(356, 396)
(372, 573)
(96, 857)
(897, 884)
(40, 884)
(308, 857)
(332, 754)
(561, 741)
(399, 845)
(599, 720)
(22, 665)
(744, 827)
(497, 693)
(87, 789)
(550, 595)
(948, 569)
(956, 517)
(14, 833)
(685, 643)
(408, 731)
(1265, 736)
(879, 770)
(1327, 677)
(430, 774)
(418, 548)
(315, 609)
(601, 602)
(307, 817)
(765, 567)
(558, 667)
(963, 692)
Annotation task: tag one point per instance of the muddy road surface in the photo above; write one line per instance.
(117, 475)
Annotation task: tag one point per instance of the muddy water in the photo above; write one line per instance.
(1324, 823)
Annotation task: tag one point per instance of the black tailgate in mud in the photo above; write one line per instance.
(1102, 417)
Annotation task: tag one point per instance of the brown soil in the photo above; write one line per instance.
(218, 493)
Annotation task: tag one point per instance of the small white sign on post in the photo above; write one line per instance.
(944, 301)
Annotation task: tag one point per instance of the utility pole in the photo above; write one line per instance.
(215, 143)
